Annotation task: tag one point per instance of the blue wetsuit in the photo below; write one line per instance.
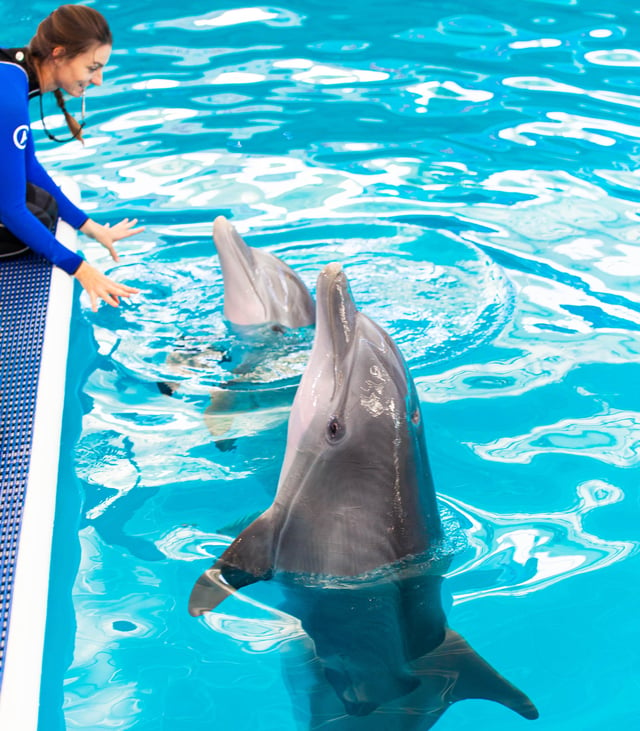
(20, 166)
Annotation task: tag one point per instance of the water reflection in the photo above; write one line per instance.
(223, 18)
(611, 437)
(521, 553)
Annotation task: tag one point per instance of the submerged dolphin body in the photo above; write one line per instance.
(259, 287)
(355, 538)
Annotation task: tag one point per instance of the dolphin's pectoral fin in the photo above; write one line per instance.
(462, 674)
(247, 560)
(215, 585)
(208, 591)
(235, 528)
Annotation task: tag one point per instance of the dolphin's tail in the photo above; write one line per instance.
(455, 672)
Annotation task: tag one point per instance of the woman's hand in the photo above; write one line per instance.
(99, 286)
(108, 235)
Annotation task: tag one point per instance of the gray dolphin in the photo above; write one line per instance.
(259, 287)
(262, 296)
(355, 538)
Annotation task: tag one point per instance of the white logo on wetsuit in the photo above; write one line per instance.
(20, 136)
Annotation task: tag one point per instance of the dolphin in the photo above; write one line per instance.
(355, 538)
(259, 287)
(263, 296)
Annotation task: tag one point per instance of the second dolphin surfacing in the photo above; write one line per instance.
(355, 537)
(264, 299)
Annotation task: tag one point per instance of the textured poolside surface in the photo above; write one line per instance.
(24, 293)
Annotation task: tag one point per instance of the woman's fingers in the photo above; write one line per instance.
(124, 229)
(126, 290)
(115, 290)
(111, 299)
(111, 249)
(108, 234)
(99, 286)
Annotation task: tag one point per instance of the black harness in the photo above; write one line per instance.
(20, 56)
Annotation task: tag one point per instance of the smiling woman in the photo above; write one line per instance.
(68, 53)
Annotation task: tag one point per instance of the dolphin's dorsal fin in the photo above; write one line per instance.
(247, 560)
(466, 675)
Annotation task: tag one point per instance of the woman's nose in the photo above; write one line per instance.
(96, 78)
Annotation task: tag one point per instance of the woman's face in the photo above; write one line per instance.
(75, 75)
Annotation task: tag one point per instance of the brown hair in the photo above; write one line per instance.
(76, 28)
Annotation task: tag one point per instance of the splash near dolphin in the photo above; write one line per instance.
(355, 538)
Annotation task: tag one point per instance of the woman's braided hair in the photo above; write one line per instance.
(76, 28)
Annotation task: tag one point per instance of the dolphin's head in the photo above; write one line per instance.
(355, 448)
(355, 381)
(259, 287)
(346, 347)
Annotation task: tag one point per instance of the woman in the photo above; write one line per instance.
(68, 53)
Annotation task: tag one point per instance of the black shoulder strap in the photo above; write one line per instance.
(19, 56)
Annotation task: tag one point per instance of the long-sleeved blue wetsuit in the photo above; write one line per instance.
(20, 166)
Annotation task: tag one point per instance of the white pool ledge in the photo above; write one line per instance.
(20, 691)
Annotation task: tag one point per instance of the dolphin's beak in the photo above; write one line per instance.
(336, 312)
(230, 246)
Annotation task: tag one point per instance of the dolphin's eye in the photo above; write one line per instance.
(415, 416)
(335, 429)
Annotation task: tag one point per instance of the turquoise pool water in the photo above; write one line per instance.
(473, 165)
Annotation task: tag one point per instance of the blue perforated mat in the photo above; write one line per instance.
(24, 293)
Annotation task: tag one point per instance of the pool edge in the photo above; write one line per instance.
(20, 691)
